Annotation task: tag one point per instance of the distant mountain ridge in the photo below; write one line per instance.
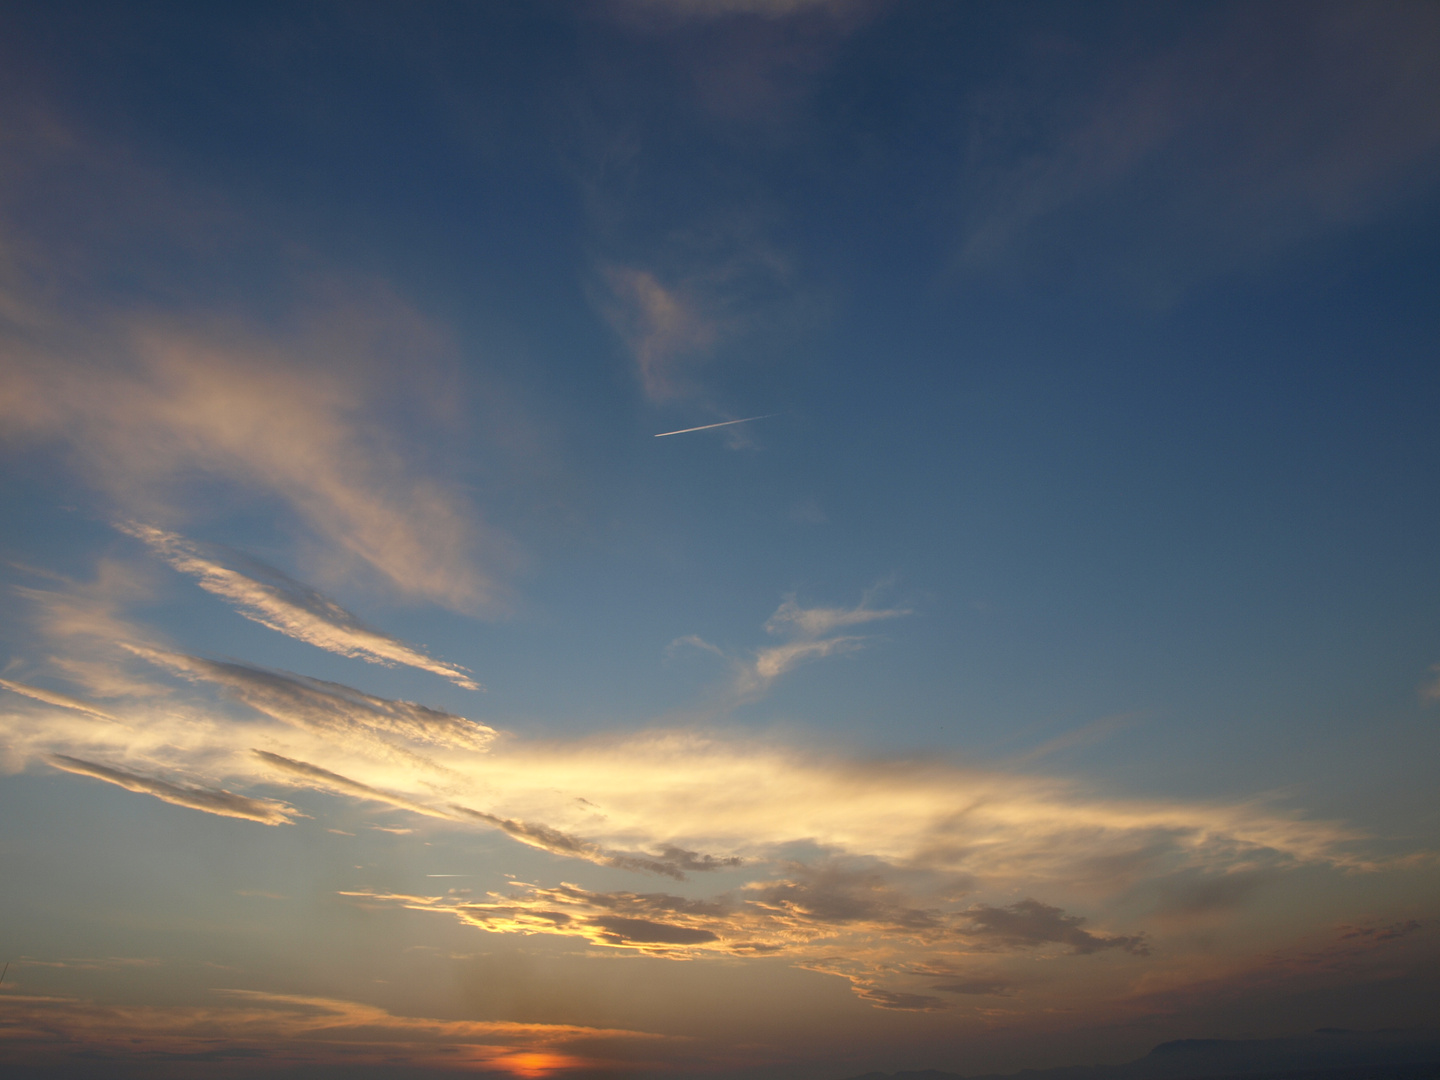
(1326, 1054)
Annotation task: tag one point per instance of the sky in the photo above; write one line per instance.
(1020, 646)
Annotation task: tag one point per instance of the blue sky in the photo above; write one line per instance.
(1049, 668)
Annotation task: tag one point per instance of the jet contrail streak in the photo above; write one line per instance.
(707, 427)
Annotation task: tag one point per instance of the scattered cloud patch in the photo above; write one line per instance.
(772, 662)
(1383, 932)
(1029, 922)
(812, 634)
(691, 641)
(816, 622)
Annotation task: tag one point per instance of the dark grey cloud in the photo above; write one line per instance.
(1385, 932)
(675, 862)
(1197, 893)
(841, 895)
(672, 862)
(210, 800)
(1029, 922)
(651, 904)
(646, 932)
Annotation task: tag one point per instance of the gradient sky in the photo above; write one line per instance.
(1050, 668)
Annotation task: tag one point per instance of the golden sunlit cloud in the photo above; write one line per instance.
(281, 603)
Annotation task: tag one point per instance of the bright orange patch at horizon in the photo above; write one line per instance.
(535, 1063)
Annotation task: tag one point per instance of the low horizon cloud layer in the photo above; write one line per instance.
(293, 1030)
(864, 869)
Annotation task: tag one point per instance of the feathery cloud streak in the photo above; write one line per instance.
(812, 636)
(324, 706)
(223, 803)
(52, 697)
(1286, 124)
(665, 330)
(279, 602)
(170, 405)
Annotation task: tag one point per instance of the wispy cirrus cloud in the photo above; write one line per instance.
(1278, 125)
(279, 602)
(173, 408)
(324, 706)
(819, 621)
(304, 774)
(664, 328)
(812, 636)
(52, 697)
(210, 800)
(164, 407)
(774, 661)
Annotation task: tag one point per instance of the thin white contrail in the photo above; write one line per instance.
(707, 427)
